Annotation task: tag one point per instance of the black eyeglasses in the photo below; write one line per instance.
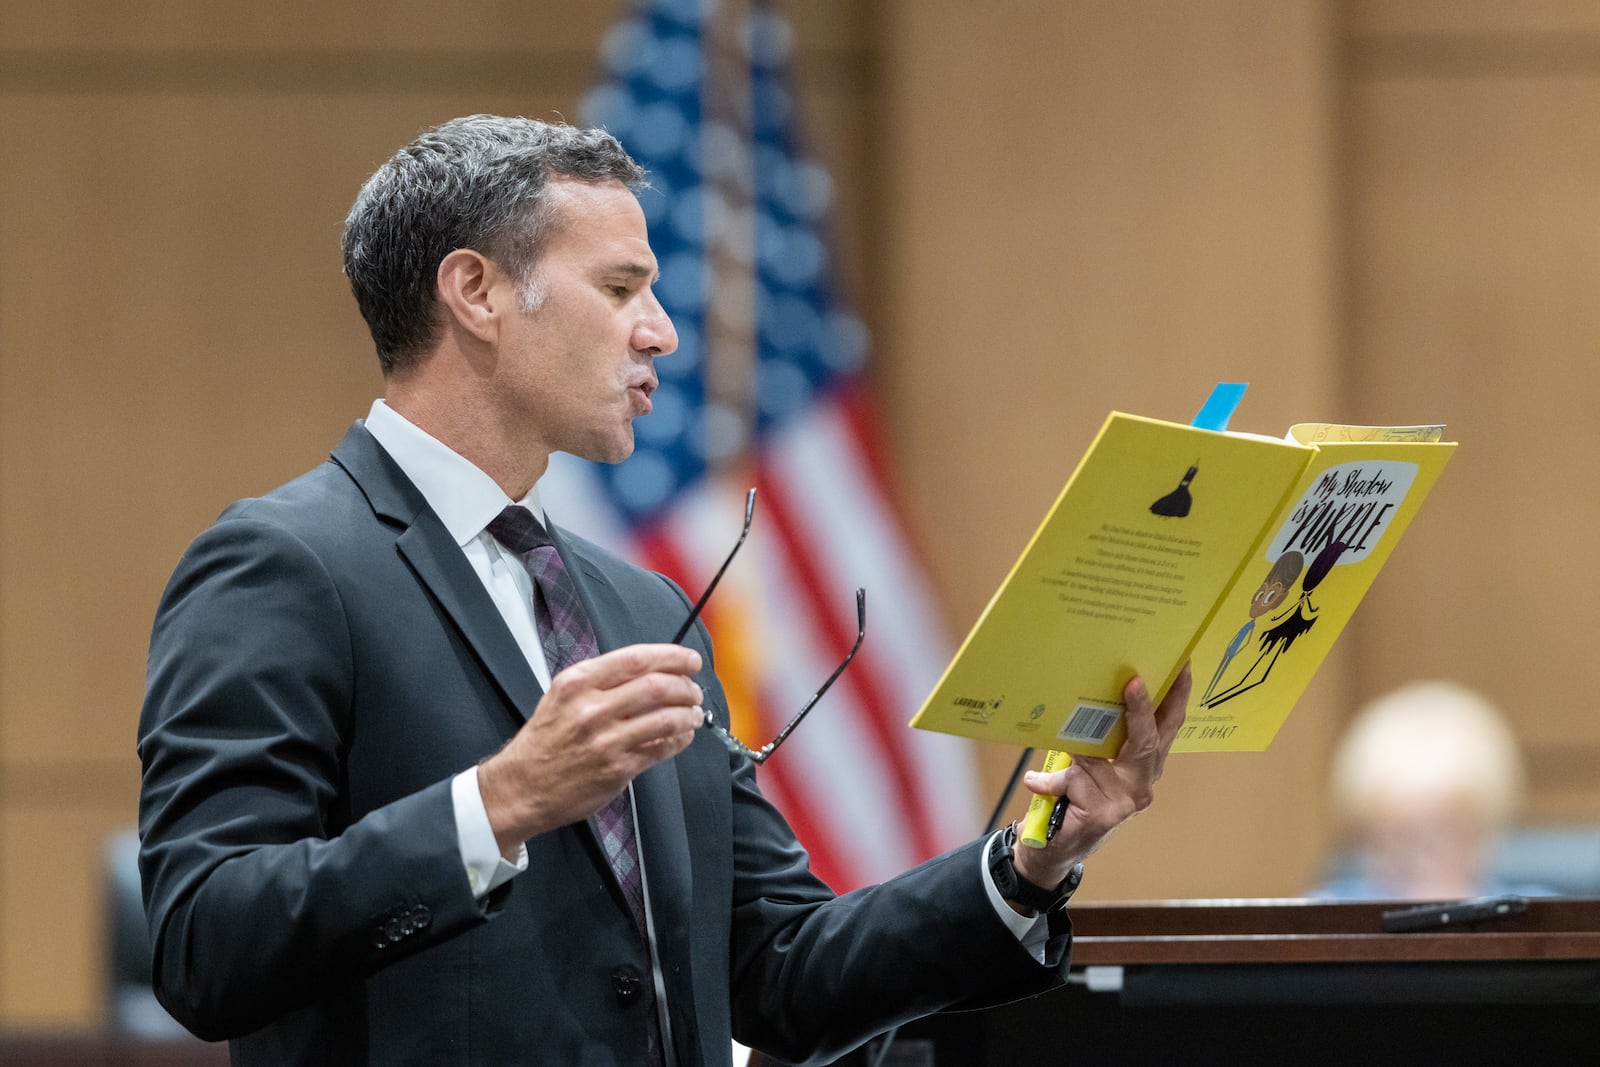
(762, 754)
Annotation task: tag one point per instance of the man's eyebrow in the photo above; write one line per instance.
(635, 269)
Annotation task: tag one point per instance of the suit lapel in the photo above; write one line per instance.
(440, 565)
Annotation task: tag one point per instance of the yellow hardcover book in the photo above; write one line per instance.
(1243, 554)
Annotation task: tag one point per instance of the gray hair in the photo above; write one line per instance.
(1428, 740)
(476, 182)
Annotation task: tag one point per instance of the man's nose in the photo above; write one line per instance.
(655, 334)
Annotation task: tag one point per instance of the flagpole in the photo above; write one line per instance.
(728, 167)
(729, 354)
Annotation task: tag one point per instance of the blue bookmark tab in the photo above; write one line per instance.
(1220, 405)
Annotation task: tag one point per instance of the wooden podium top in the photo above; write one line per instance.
(1305, 931)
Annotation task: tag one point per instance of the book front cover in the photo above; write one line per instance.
(1303, 583)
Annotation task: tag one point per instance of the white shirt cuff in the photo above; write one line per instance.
(1032, 932)
(487, 870)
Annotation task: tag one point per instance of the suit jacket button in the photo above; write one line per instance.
(421, 916)
(627, 985)
(393, 931)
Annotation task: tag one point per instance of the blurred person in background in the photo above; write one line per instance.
(1424, 784)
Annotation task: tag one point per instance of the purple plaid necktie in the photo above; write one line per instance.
(568, 638)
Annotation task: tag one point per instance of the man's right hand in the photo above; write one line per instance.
(602, 723)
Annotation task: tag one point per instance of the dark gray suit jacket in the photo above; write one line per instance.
(323, 661)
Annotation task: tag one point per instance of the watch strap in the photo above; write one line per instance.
(1019, 890)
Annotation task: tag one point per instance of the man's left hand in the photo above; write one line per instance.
(1105, 792)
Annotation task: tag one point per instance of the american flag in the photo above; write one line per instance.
(766, 390)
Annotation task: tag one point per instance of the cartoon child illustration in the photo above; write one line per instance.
(1272, 591)
(1291, 625)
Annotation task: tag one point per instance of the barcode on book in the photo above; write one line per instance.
(1089, 722)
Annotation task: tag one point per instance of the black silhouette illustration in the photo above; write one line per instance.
(1291, 626)
(1175, 505)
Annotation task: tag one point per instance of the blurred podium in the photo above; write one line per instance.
(1216, 982)
(1302, 982)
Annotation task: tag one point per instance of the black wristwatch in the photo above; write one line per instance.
(1017, 889)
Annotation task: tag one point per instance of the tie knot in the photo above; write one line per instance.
(519, 530)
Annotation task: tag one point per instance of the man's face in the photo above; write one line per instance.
(579, 368)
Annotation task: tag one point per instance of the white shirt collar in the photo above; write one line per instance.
(464, 497)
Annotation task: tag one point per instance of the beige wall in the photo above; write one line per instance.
(1472, 235)
(1111, 206)
(1371, 211)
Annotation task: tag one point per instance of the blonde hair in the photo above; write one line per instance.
(1428, 741)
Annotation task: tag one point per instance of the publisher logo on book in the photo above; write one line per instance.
(975, 710)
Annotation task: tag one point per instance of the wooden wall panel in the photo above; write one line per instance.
(391, 34)
(53, 919)
(1474, 237)
(1493, 21)
(1108, 206)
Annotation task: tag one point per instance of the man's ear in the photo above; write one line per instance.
(468, 289)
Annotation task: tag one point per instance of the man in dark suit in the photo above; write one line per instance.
(406, 800)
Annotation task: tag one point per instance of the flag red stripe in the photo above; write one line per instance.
(861, 677)
(859, 422)
(853, 402)
(658, 552)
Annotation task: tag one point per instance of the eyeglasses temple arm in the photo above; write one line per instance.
(861, 633)
(749, 516)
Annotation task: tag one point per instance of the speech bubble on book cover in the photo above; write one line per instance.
(1352, 503)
